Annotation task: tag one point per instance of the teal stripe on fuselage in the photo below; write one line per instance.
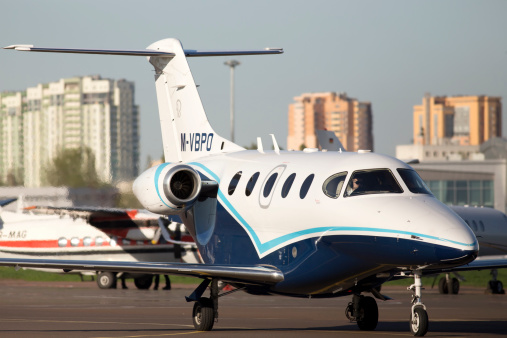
(264, 247)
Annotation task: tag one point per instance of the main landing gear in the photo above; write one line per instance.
(418, 315)
(494, 285)
(364, 311)
(205, 311)
(448, 285)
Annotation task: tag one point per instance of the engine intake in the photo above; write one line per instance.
(168, 189)
(182, 185)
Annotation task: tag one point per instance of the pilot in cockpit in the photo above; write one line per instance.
(357, 184)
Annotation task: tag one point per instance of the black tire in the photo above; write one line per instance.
(203, 314)
(368, 314)
(143, 282)
(496, 287)
(500, 288)
(106, 280)
(419, 324)
(455, 286)
(442, 286)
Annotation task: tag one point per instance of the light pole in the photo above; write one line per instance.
(232, 64)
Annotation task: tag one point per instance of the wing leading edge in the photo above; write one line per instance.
(227, 273)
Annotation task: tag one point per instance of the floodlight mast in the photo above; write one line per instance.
(232, 64)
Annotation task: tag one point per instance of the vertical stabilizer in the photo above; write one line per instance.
(186, 132)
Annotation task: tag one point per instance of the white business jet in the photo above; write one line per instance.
(304, 224)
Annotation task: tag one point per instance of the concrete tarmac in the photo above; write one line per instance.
(64, 309)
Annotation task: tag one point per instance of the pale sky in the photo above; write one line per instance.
(389, 53)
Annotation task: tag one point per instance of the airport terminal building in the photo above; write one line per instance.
(473, 176)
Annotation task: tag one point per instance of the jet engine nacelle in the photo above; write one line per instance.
(168, 189)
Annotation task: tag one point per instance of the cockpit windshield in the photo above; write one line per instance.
(413, 181)
(373, 181)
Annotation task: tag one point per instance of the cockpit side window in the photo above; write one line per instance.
(333, 185)
(413, 181)
(374, 181)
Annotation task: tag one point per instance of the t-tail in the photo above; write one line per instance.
(186, 131)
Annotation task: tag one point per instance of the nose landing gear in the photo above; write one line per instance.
(418, 315)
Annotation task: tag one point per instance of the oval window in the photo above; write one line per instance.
(474, 226)
(482, 226)
(333, 185)
(306, 186)
(287, 185)
(87, 241)
(74, 241)
(251, 184)
(269, 184)
(99, 241)
(234, 183)
(62, 242)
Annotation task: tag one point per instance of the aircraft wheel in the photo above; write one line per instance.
(419, 323)
(455, 286)
(442, 286)
(496, 287)
(143, 282)
(368, 314)
(203, 314)
(106, 280)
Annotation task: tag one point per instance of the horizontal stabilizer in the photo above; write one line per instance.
(228, 273)
(146, 52)
(3, 203)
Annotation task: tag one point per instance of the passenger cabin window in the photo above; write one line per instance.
(375, 181)
(482, 226)
(251, 184)
(234, 183)
(306, 186)
(287, 185)
(333, 185)
(413, 181)
(269, 184)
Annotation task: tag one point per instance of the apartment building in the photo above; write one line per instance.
(36, 124)
(458, 120)
(350, 119)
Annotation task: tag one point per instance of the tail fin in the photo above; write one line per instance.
(186, 132)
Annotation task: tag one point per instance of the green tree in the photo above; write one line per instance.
(74, 168)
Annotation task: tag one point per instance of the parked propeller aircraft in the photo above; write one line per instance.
(95, 234)
(304, 224)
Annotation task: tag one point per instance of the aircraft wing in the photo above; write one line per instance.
(481, 263)
(93, 214)
(120, 222)
(227, 273)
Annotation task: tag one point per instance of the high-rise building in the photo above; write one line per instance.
(35, 125)
(459, 120)
(348, 118)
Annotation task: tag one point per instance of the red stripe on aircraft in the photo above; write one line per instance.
(49, 243)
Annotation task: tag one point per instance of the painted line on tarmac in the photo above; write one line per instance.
(155, 335)
(86, 322)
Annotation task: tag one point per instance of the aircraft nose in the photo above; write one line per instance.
(462, 246)
(455, 243)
